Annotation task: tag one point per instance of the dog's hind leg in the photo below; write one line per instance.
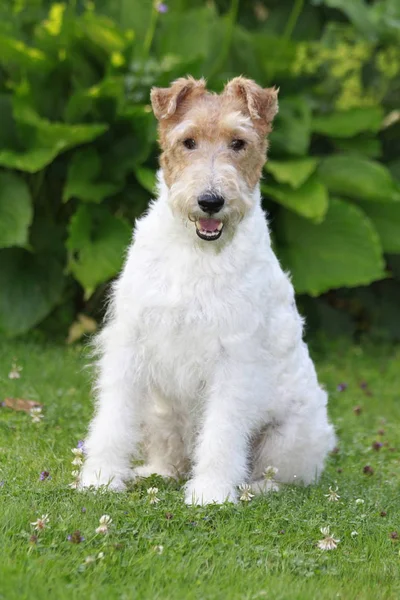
(297, 448)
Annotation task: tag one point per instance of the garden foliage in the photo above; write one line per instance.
(78, 147)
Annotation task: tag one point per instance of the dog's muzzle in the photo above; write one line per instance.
(209, 229)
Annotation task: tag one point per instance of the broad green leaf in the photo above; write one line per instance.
(343, 250)
(362, 145)
(292, 127)
(30, 286)
(147, 178)
(15, 210)
(276, 54)
(358, 178)
(386, 220)
(310, 200)
(44, 140)
(357, 11)
(97, 242)
(293, 171)
(186, 34)
(102, 32)
(84, 178)
(345, 124)
(8, 131)
(13, 51)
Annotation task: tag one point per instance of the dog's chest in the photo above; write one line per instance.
(185, 317)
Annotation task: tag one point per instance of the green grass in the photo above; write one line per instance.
(263, 549)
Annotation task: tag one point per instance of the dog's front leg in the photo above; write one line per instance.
(233, 409)
(115, 429)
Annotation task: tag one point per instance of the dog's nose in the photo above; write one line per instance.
(211, 202)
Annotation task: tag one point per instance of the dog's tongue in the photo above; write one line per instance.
(209, 224)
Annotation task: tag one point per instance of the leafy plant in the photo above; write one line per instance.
(78, 148)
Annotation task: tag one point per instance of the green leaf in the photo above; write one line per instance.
(276, 54)
(102, 32)
(186, 34)
(345, 124)
(358, 178)
(363, 145)
(386, 220)
(83, 176)
(15, 210)
(42, 139)
(30, 287)
(147, 178)
(310, 200)
(13, 51)
(97, 242)
(343, 250)
(293, 172)
(292, 127)
(358, 13)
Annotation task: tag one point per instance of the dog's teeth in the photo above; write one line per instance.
(220, 226)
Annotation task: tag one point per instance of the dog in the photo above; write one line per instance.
(202, 365)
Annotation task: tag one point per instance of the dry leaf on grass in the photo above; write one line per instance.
(20, 404)
(80, 327)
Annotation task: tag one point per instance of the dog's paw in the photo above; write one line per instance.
(100, 479)
(202, 491)
(150, 469)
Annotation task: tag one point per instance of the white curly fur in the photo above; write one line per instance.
(202, 359)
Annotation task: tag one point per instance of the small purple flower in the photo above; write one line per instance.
(83, 509)
(2, 483)
(81, 446)
(342, 387)
(161, 7)
(44, 475)
(75, 537)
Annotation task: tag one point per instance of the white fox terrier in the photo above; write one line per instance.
(202, 364)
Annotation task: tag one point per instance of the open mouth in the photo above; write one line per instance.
(209, 229)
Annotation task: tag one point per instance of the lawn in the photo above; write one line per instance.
(266, 548)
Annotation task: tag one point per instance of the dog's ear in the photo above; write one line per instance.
(166, 101)
(261, 104)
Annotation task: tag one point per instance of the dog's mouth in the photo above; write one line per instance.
(209, 229)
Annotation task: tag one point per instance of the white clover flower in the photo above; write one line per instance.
(75, 483)
(329, 542)
(36, 414)
(354, 534)
(246, 494)
(89, 560)
(104, 521)
(152, 493)
(360, 501)
(158, 549)
(100, 555)
(78, 454)
(15, 372)
(333, 496)
(270, 472)
(41, 523)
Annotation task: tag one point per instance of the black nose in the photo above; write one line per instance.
(211, 202)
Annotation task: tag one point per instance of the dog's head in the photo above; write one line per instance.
(213, 149)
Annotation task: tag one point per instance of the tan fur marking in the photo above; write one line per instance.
(187, 110)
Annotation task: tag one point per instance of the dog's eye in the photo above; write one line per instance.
(237, 145)
(189, 143)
